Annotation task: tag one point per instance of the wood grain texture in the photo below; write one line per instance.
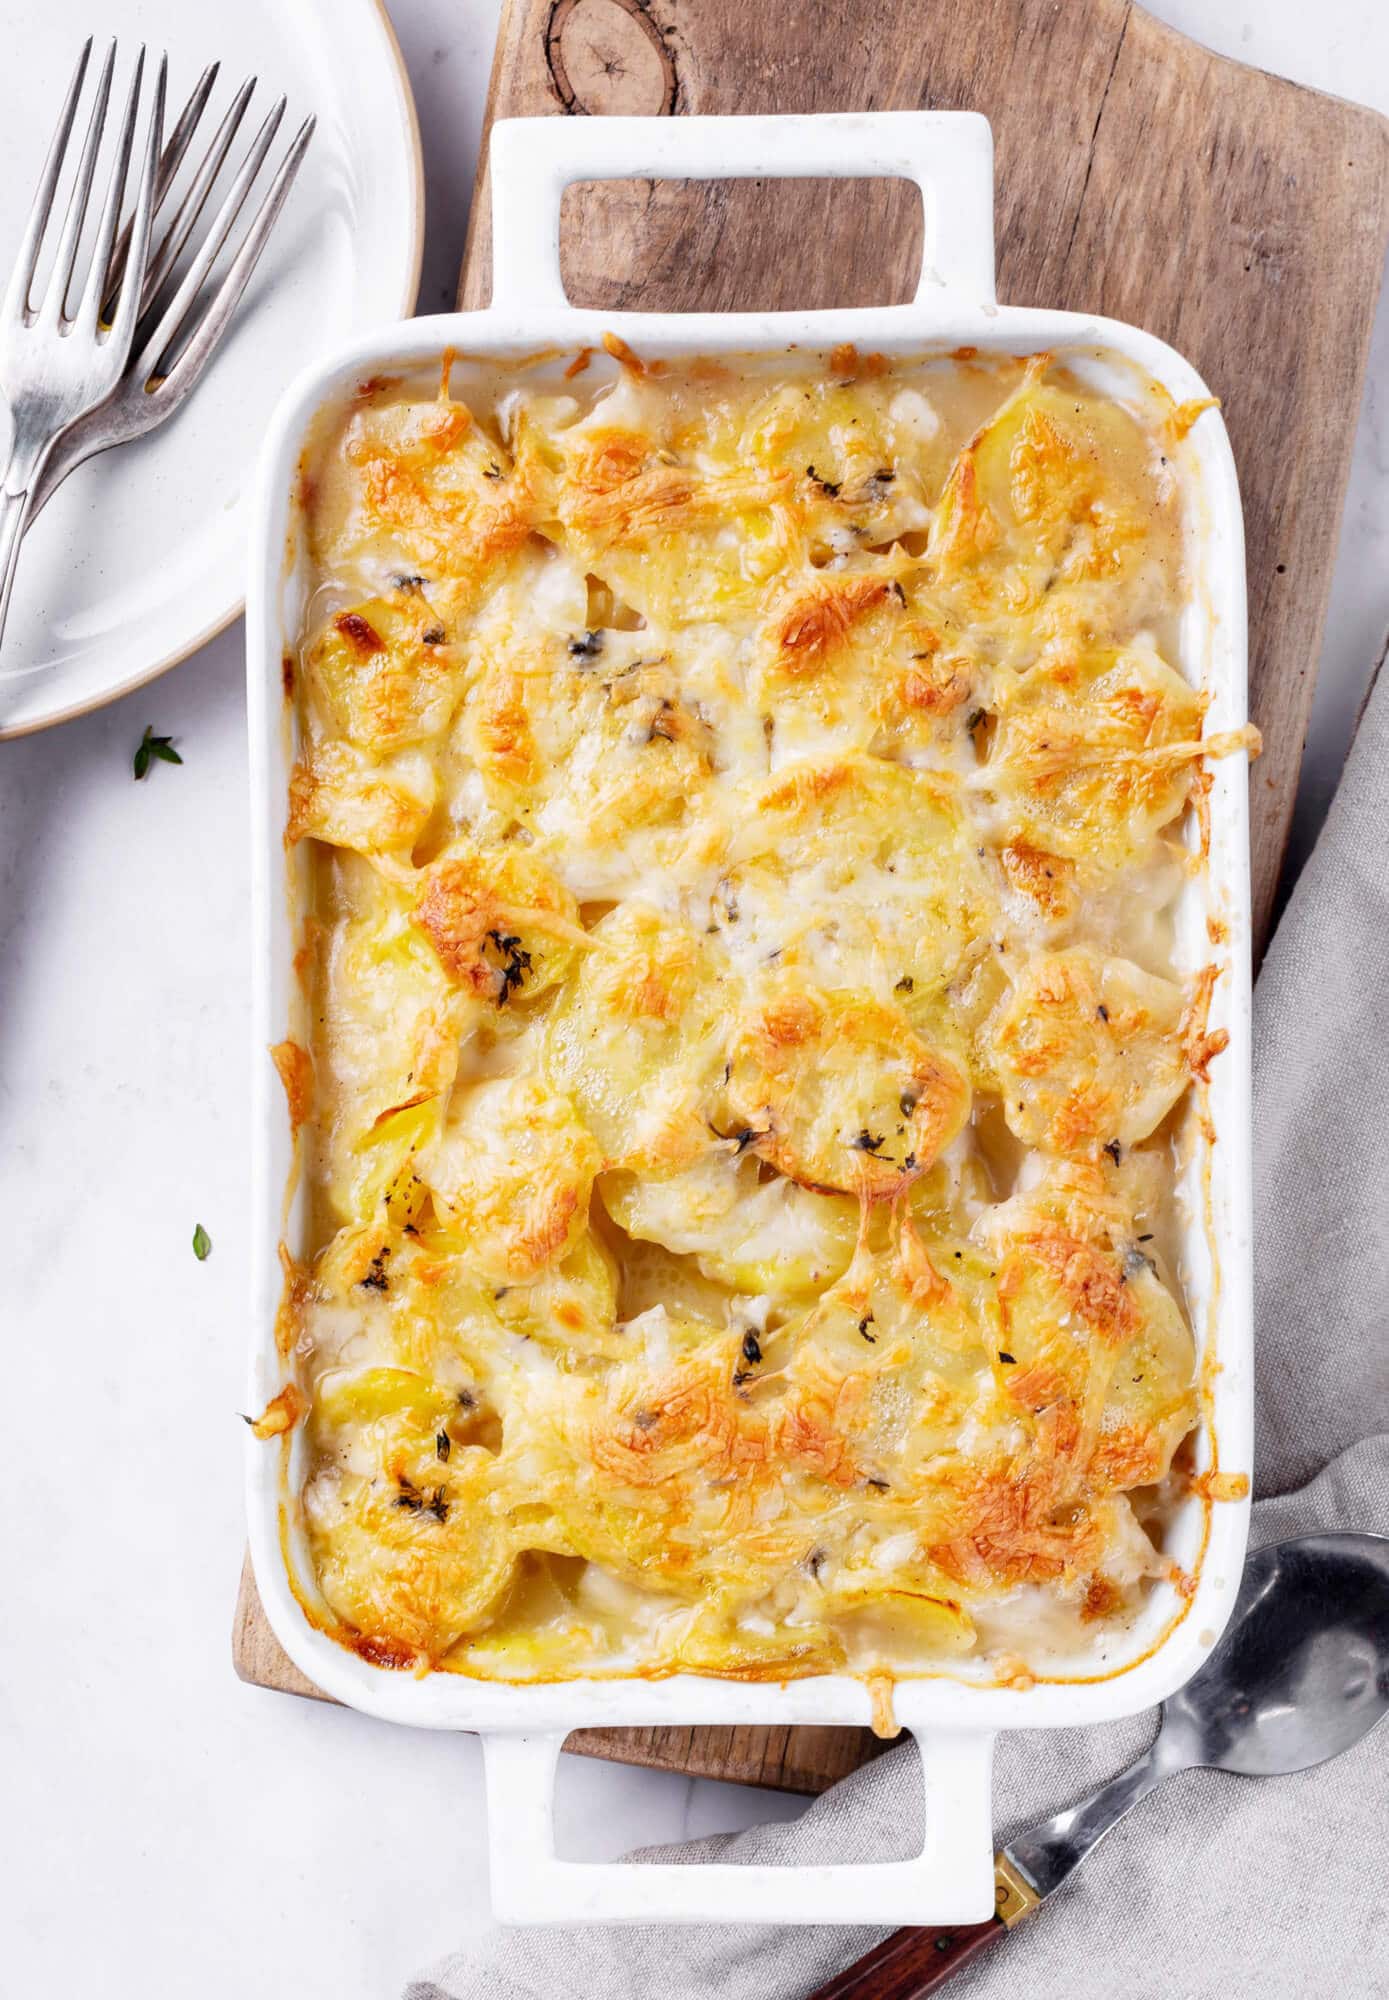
(1239, 217)
(909, 1964)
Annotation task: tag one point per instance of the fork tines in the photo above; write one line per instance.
(217, 310)
(52, 307)
(78, 382)
(189, 288)
(101, 301)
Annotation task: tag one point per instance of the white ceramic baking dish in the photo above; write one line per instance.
(949, 157)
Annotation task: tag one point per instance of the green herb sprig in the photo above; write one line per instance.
(152, 746)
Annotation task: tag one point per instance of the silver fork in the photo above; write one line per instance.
(55, 367)
(144, 396)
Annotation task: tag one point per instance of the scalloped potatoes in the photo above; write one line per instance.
(743, 810)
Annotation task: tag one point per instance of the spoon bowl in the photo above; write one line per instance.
(1302, 1672)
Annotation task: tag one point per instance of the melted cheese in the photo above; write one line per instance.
(745, 1046)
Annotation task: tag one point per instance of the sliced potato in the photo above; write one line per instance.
(636, 1040)
(862, 658)
(569, 1306)
(862, 874)
(500, 924)
(838, 1093)
(1102, 1357)
(346, 797)
(391, 1032)
(757, 1236)
(594, 745)
(1094, 754)
(407, 1545)
(384, 674)
(685, 530)
(422, 491)
(1087, 1052)
(1057, 522)
(510, 1176)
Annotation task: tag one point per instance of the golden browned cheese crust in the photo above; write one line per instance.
(743, 1058)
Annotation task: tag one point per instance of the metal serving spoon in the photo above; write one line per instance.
(1301, 1674)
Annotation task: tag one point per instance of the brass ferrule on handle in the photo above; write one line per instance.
(1015, 1897)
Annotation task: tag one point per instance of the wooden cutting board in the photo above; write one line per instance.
(1241, 218)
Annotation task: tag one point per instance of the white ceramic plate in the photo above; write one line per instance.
(141, 556)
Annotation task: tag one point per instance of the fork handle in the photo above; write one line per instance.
(79, 442)
(14, 513)
(21, 477)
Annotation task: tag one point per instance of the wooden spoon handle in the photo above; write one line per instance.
(913, 1962)
(909, 1963)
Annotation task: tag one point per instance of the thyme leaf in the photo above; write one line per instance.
(745, 1136)
(829, 487)
(515, 963)
(151, 746)
(376, 1279)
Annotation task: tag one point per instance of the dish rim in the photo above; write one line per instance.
(449, 1700)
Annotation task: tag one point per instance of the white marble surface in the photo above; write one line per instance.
(166, 1830)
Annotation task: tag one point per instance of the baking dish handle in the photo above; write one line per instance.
(948, 154)
(950, 1881)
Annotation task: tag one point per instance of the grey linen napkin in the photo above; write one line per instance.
(1216, 1886)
